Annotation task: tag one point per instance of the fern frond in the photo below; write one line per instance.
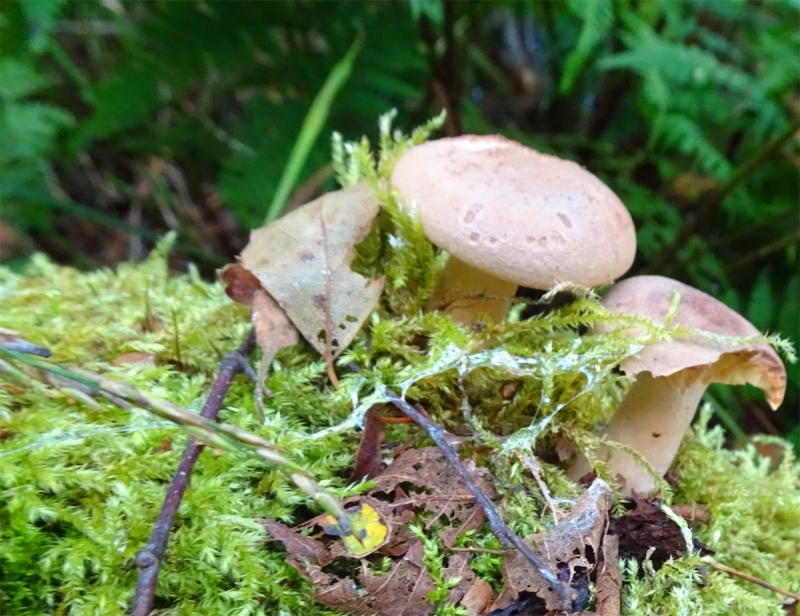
(678, 132)
(598, 19)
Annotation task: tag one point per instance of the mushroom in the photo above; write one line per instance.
(509, 216)
(672, 376)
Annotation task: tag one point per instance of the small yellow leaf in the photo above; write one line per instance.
(368, 529)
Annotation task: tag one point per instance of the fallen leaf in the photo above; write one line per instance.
(368, 457)
(369, 529)
(5, 434)
(527, 606)
(693, 514)
(303, 261)
(439, 490)
(240, 284)
(478, 597)
(646, 526)
(774, 451)
(134, 357)
(428, 484)
(274, 330)
(295, 543)
(609, 579)
(570, 549)
(401, 591)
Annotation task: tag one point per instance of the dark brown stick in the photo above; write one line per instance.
(499, 528)
(151, 556)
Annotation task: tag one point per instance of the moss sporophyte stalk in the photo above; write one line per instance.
(82, 480)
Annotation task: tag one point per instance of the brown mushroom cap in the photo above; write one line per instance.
(528, 218)
(713, 361)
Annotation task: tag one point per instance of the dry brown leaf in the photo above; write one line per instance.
(303, 261)
(693, 514)
(399, 592)
(240, 285)
(134, 357)
(274, 331)
(295, 543)
(478, 597)
(368, 457)
(440, 490)
(432, 486)
(569, 549)
(164, 446)
(609, 579)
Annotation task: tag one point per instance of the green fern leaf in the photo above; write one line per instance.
(678, 132)
(598, 18)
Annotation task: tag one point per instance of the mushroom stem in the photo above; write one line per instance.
(463, 292)
(652, 419)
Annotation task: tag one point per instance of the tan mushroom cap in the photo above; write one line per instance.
(528, 218)
(712, 361)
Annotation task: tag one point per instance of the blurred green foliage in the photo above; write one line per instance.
(121, 121)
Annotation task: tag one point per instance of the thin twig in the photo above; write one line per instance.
(746, 576)
(532, 464)
(499, 528)
(151, 556)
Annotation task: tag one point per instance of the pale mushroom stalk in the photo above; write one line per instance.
(464, 292)
(652, 419)
(671, 376)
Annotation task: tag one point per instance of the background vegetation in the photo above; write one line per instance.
(121, 121)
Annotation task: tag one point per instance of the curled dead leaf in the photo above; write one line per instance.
(295, 543)
(368, 458)
(240, 284)
(428, 484)
(303, 261)
(402, 591)
(570, 549)
(436, 487)
(478, 597)
(609, 579)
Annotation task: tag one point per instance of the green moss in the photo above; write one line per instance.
(81, 486)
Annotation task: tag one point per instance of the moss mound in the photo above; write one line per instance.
(81, 482)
